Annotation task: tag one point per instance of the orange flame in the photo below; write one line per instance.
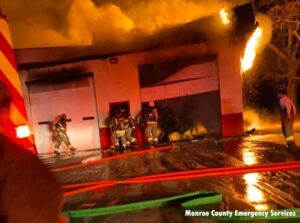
(251, 50)
(224, 16)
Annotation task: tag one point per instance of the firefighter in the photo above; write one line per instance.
(287, 112)
(151, 121)
(60, 129)
(119, 130)
(130, 131)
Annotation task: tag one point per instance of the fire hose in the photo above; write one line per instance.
(188, 202)
(194, 199)
(71, 167)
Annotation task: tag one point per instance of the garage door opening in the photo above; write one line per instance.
(74, 97)
(186, 92)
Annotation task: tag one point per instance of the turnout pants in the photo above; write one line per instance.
(152, 133)
(119, 136)
(62, 138)
(129, 133)
(287, 129)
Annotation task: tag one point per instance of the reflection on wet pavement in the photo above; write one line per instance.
(253, 194)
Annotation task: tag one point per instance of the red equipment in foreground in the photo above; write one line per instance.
(18, 126)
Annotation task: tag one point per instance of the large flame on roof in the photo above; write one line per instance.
(224, 16)
(251, 50)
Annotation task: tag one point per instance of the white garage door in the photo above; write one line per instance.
(76, 99)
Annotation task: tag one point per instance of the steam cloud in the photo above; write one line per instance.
(46, 23)
(260, 120)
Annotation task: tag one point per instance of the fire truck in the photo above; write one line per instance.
(18, 127)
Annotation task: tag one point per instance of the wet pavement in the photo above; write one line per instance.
(251, 191)
(182, 156)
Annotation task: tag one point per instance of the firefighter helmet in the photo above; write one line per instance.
(281, 89)
(64, 116)
(151, 104)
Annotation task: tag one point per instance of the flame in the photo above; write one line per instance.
(224, 16)
(251, 49)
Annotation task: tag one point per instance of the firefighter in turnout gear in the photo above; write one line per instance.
(60, 129)
(151, 121)
(130, 131)
(119, 130)
(287, 112)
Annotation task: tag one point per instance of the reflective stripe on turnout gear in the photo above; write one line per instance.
(290, 138)
(120, 133)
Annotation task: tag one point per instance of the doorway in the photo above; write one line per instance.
(74, 97)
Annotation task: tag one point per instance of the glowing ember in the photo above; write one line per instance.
(224, 16)
(251, 50)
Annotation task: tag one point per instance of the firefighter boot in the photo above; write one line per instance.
(133, 140)
(56, 151)
(291, 145)
(120, 149)
(72, 149)
(119, 146)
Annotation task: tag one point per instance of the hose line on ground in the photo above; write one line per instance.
(188, 202)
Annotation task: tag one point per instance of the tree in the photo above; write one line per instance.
(280, 61)
(285, 42)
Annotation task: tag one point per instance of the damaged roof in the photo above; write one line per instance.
(201, 30)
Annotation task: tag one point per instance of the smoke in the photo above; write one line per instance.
(37, 36)
(261, 120)
(83, 22)
(265, 23)
(152, 16)
(86, 22)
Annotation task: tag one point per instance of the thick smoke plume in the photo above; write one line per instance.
(104, 23)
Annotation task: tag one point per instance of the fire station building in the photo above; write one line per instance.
(194, 81)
